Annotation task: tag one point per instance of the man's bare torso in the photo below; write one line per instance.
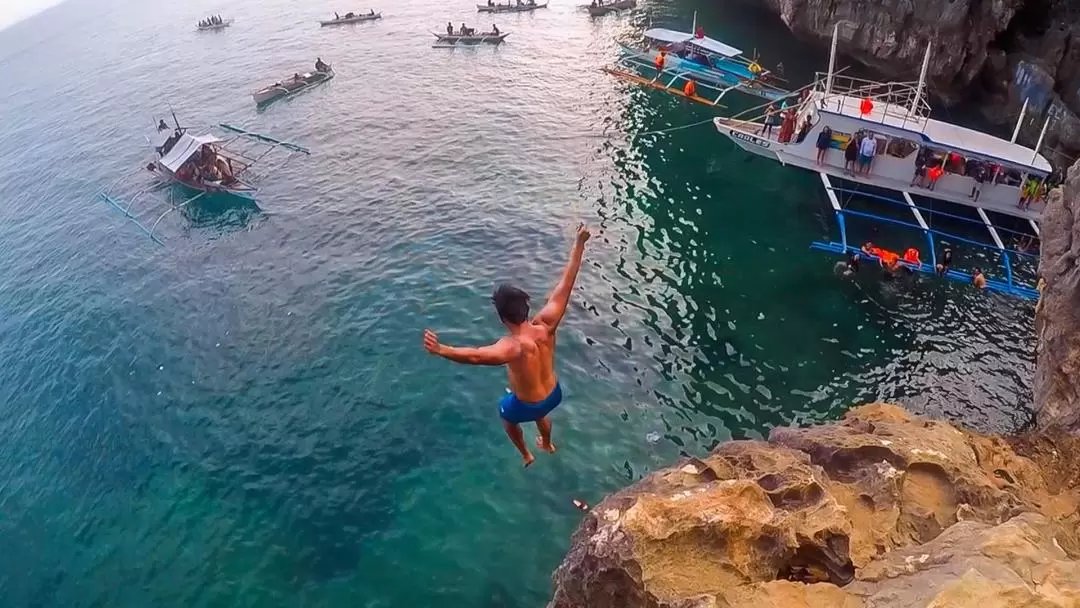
(532, 373)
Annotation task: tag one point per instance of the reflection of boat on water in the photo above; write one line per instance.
(697, 57)
(598, 9)
(522, 7)
(898, 148)
(292, 85)
(190, 168)
(352, 18)
(482, 38)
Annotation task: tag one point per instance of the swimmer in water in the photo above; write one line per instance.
(979, 279)
(528, 353)
(945, 262)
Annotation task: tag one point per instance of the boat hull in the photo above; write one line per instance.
(488, 39)
(239, 189)
(357, 19)
(509, 8)
(280, 91)
(219, 26)
(614, 7)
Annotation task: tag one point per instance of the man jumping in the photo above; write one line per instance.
(528, 353)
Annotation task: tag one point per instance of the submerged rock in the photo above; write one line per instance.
(881, 509)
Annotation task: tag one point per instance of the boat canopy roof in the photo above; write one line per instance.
(184, 149)
(705, 43)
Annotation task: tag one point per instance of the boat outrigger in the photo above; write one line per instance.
(598, 8)
(293, 84)
(206, 164)
(876, 135)
(351, 18)
(518, 7)
(675, 58)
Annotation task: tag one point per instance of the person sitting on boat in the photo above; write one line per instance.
(911, 259)
(337, 17)
(350, 15)
(371, 12)
(699, 33)
(660, 57)
(320, 66)
(690, 89)
(491, 3)
(494, 29)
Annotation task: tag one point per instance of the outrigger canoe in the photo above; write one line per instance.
(291, 86)
(215, 26)
(613, 7)
(353, 19)
(509, 8)
(484, 38)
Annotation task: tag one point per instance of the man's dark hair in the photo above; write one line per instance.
(511, 303)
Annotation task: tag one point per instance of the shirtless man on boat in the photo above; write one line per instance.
(528, 352)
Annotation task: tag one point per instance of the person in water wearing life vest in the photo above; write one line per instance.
(528, 352)
(911, 260)
(978, 279)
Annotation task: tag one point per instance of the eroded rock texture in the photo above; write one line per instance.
(880, 510)
(1057, 373)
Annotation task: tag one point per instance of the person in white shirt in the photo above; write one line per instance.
(867, 148)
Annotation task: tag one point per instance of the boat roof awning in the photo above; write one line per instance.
(705, 43)
(716, 47)
(184, 149)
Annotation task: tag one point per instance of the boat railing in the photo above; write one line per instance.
(893, 101)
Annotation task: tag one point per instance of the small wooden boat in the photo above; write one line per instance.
(611, 7)
(510, 8)
(291, 86)
(354, 19)
(482, 38)
(214, 26)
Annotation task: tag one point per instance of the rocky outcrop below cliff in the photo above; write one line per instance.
(993, 52)
(883, 509)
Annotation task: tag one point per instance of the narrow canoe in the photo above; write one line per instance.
(604, 9)
(291, 86)
(487, 38)
(216, 26)
(353, 19)
(509, 8)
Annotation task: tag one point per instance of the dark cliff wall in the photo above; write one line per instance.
(992, 52)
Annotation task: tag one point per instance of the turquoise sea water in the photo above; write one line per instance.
(245, 416)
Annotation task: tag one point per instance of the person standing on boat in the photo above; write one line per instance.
(528, 353)
(771, 119)
(449, 29)
(867, 149)
(851, 154)
(824, 140)
(660, 58)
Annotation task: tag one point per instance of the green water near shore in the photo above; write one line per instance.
(246, 417)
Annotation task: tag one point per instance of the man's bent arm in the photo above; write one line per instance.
(552, 312)
(500, 353)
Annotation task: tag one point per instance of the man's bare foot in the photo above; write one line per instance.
(548, 447)
(529, 459)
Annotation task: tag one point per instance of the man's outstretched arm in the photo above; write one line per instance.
(499, 353)
(552, 312)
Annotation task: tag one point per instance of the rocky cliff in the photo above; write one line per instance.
(883, 509)
(993, 52)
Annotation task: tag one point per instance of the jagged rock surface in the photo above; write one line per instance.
(995, 52)
(1057, 373)
(882, 509)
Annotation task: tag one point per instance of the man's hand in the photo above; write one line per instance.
(583, 233)
(431, 342)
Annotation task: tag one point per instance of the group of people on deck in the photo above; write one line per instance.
(205, 166)
(352, 15)
(211, 20)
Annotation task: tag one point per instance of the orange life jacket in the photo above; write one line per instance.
(888, 258)
(911, 256)
(690, 89)
(660, 60)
